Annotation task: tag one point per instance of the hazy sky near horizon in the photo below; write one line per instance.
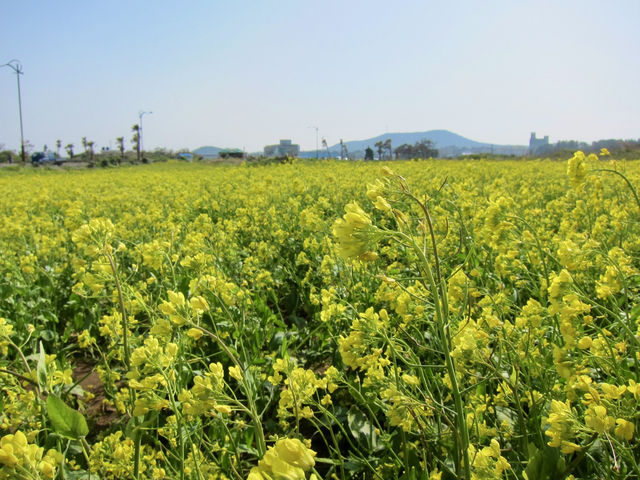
(245, 74)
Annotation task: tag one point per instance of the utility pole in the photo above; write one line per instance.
(326, 145)
(16, 66)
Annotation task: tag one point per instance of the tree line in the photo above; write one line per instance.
(89, 153)
(421, 149)
(561, 147)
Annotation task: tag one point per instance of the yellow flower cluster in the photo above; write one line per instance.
(288, 459)
(358, 349)
(95, 237)
(179, 311)
(488, 462)
(207, 390)
(6, 330)
(356, 234)
(300, 387)
(21, 459)
(577, 168)
(111, 458)
(562, 427)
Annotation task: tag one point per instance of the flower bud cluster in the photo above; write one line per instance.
(17, 456)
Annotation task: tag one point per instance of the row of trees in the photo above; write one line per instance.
(562, 147)
(384, 149)
(89, 154)
(422, 149)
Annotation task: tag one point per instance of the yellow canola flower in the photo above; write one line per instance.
(577, 169)
(194, 333)
(381, 204)
(560, 286)
(356, 217)
(199, 304)
(585, 342)
(612, 392)
(375, 190)
(560, 423)
(294, 452)
(609, 283)
(624, 430)
(288, 459)
(94, 237)
(411, 380)
(634, 389)
(487, 462)
(176, 299)
(236, 373)
(18, 455)
(597, 419)
(355, 233)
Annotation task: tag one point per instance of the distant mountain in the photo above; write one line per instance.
(442, 138)
(208, 152)
(449, 144)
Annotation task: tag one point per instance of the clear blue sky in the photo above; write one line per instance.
(245, 74)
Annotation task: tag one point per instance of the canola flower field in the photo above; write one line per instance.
(415, 320)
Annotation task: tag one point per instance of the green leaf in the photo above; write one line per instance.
(361, 428)
(47, 335)
(41, 369)
(545, 464)
(66, 421)
(80, 475)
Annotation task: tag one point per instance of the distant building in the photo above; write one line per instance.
(283, 149)
(538, 145)
(231, 153)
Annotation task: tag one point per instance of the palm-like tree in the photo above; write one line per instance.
(135, 140)
(90, 145)
(120, 141)
(380, 147)
(387, 146)
(326, 146)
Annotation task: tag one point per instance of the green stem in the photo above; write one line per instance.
(125, 323)
(19, 377)
(136, 452)
(334, 440)
(253, 413)
(85, 451)
(24, 360)
(355, 449)
(441, 326)
(538, 245)
(578, 458)
(127, 356)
